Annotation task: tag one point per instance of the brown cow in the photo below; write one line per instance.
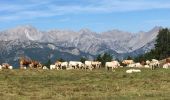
(167, 60)
(143, 63)
(24, 62)
(29, 63)
(5, 66)
(35, 64)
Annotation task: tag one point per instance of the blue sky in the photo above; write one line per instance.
(97, 15)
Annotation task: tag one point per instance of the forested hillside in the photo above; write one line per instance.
(162, 47)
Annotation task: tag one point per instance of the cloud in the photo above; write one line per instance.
(32, 9)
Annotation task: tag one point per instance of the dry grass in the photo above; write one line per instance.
(84, 85)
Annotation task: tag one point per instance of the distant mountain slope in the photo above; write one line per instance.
(71, 45)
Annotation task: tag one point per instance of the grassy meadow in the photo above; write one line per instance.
(84, 85)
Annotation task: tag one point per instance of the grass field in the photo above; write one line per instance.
(84, 85)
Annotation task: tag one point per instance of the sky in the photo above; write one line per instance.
(96, 15)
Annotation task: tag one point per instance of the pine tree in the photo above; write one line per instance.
(106, 57)
(61, 60)
(162, 47)
(82, 59)
(48, 63)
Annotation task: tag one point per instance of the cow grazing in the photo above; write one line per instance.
(24, 62)
(166, 66)
(148, 62)
(53, 67)
(154, 64)
(58, 65)
(112, 65)
(146, 66)
(5, 66)
(127, 62)
(35, 65)
(96, 64)
(88, 65)
(76, 65)
(138, 65)
(131, 65)
(64, 65)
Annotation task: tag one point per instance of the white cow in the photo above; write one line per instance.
(45, 68)
(96, 64)
(154, 63)
(52, 67)
(69, 68)
(148, 62)
(113, 64)
(80, 65)
(0, 67)
(138, 65)
(133, 70)
(131, 65)
(88, 65)
(146, 66)
(76, 64)
(10, 67)
(64, 65)
(166, 66)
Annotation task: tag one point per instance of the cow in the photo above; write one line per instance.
(10, 67)
(166, 65)
(96, 64)
(24, 62)
(112, 64)
(64, 65)
(76, 65)
(23, 67)
(146, 66)
(147, 62)
(131, 65)
(35, 65)
(5, 66)
(154, 64)
(127, 62)
(132, 71)
(143, 63)
(0, 67)
(53, 67)
(58, 65)
(167, 60)
(88, 65)
(45, 68)
(138, 65)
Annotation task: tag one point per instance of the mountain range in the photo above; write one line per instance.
(71, 45)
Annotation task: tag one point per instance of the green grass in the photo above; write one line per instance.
(84, 85)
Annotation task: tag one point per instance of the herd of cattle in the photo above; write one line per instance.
(90, 65)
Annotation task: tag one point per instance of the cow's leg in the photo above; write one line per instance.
(112, 68)
(107, 68)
